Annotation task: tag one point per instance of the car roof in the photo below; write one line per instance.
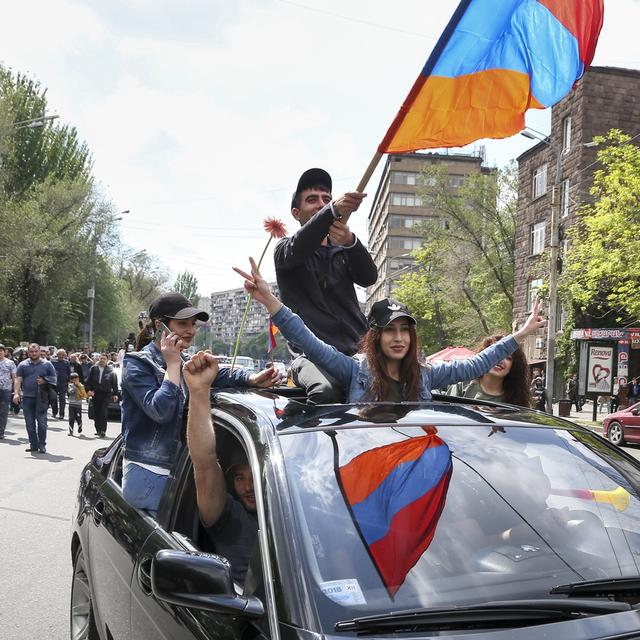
(289, 415)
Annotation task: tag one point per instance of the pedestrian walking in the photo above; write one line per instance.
(7, 378)
(63, 371)
(76, 393)
(633, 390)
(102, 386)
(572, 392)
(85, 365)
(539, 394)
(35, 377)
(75, 366)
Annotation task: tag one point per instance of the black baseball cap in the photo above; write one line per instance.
(385, 311)
(311, 178)
(176, 306)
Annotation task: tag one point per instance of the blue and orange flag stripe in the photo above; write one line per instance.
(495, 60)
(396, 494)
(271, 337)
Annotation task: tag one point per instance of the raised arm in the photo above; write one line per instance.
(295, 331)
(449, 373)
(211, 493)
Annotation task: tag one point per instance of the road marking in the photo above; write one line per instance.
(34, 513)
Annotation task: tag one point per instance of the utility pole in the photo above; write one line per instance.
(554, 253)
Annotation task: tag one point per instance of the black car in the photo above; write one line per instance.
(420, 520)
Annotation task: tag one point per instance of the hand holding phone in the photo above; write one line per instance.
(160, 329)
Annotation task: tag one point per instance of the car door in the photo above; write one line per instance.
(632, 423)
(117, 532)
(153, 618)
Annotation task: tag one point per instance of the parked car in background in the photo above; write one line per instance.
(417, 520)
(623, 425)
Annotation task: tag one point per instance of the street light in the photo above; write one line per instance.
(554, 251)
(32, 123)
(91, 292)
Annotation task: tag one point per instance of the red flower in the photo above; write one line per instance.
(275, 227)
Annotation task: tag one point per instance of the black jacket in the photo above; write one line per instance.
(316, 282)
(109, 383)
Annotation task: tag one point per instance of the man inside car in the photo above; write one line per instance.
(229, 520)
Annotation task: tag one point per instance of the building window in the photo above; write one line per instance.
(534, 285)
(405, 200)
(456, 181)
(404, 177)
(564, 198)
(566, 134)
(537, 238)
(409, 244)
(404, 222)
(540, 181)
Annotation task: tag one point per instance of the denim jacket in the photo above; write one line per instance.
(153, 408)
(355, 376)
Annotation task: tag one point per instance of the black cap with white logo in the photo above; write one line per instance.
(385, 311)
(176, 306)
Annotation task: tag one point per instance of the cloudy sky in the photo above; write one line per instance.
(201, 114)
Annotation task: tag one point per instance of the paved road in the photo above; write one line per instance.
(37, 496)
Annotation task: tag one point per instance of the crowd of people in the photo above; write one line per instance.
(340, 356)
(34, 380)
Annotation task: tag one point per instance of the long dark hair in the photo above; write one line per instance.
(146, 333)
(409, 367)
(516, 384)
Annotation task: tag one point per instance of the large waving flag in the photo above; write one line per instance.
(495, 60)
(396, 494)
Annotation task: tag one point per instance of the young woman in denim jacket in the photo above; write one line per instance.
(153, 398)
(390, 370)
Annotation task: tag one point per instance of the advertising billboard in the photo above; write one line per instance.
(600, 370)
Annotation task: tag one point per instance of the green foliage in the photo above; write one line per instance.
(462, 288)
(187, 284)
(601, 275)
(256, 347)
(60, 234)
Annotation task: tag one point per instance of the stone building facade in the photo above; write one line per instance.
(397, 209)
(227, 309)
(605, 98)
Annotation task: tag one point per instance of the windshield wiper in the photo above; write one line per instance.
(508, 613)
(624, 587)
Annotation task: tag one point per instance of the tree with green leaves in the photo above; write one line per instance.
(462, 286)
(601, 267)
(187, 284)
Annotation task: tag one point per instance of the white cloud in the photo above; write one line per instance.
(202, 115)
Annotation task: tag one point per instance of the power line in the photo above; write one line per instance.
(357, 20)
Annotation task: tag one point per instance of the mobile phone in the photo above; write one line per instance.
(160, 329)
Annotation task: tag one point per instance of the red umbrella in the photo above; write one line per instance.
(450, 353)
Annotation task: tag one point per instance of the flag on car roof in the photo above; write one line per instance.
(396, 494)
(495, 60)
(271, 338)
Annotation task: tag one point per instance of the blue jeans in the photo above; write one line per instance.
(5, 403)
(142, 488)
(31, 415)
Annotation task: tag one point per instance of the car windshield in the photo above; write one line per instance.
(398, 518)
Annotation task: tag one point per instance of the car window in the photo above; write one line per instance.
(236, 537)
(494, 515)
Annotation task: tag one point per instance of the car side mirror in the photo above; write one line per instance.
(200, 581)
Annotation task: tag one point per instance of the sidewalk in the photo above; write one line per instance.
(585, 416)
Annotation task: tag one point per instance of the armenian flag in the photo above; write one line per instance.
(271, 338)
(396, 494)
(495, 60)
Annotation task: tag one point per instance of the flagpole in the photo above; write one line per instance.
(377, 156)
